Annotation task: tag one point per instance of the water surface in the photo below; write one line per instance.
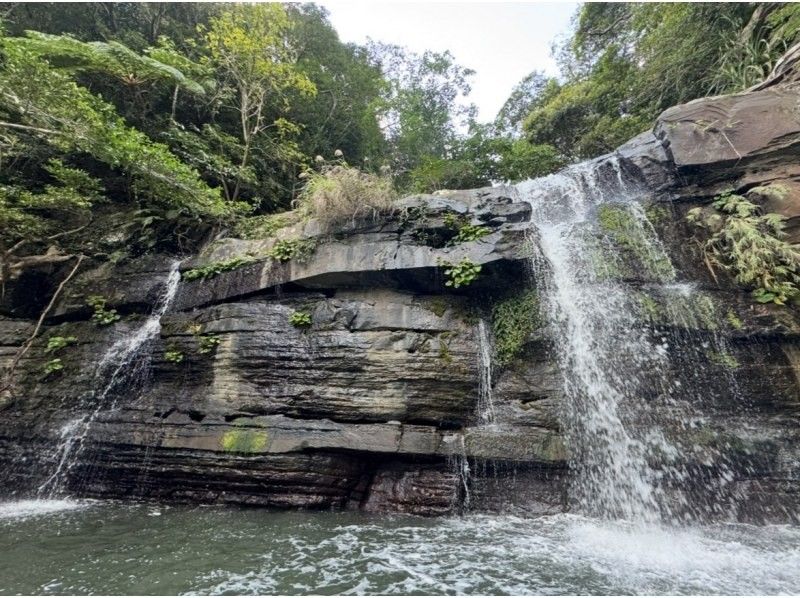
(68, 547)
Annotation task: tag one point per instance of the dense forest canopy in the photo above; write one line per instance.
(195, 116)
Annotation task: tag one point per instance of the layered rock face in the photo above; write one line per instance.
(378, 402)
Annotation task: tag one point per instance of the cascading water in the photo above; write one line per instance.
(616, 371)
(485, 410)
(121, 364)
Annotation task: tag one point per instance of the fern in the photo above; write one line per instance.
(752, 246)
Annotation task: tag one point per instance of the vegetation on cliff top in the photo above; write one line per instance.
(185, 117)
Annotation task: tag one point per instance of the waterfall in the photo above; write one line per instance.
(485, 407)
(616, 374)
(121, 364)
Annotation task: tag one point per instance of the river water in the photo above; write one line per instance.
(70, 547)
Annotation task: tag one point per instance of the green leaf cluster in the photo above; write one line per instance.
(287, 249)
(52, 366)
(465, 232)
(173, 355)
(752, 246)
(101, 316)
(514, 318)
(461, 274)
(215, 268)
(56, 343)
(300, 319)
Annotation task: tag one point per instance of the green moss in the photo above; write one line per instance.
(438, 305)
(656, 213)
(627, 233)
(300, 319)
(706, 312)
(444, 348)
(650, 307)
(213, 269)
(724, 359)
(733, 320)
(244, 441)
(263, 226)
(513, 320)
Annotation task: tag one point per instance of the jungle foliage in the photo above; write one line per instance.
(188, 118)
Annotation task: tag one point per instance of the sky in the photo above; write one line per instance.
(501, 41)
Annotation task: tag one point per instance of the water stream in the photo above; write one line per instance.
(485, 409)
(122, 364)
(622, 402)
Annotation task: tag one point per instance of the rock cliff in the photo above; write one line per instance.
(374, 401)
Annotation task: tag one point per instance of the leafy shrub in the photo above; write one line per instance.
(300, 319)
(215, 268)
(752, 246)
(339, 194)
(56, 343)
(53, 366)
(173, 355)
(513, 320)
(263, 226)
(465, 232)
(461, 274)
(287, 249)
(208, 343)
(101, 315)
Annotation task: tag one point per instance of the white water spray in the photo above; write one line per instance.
(114, 368)
(604, 353)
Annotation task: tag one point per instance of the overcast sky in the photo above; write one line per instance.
(501, 41)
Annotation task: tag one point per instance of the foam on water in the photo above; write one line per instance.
(22, 509)
(116, 548)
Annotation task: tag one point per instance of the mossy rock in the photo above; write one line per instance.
(244, 441)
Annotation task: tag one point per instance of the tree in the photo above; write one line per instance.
(343, 114)
(424, 104)
(250, 46)
(519, 104)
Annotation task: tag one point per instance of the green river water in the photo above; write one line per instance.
(69, 547)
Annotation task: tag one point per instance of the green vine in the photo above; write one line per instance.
(513, 321)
